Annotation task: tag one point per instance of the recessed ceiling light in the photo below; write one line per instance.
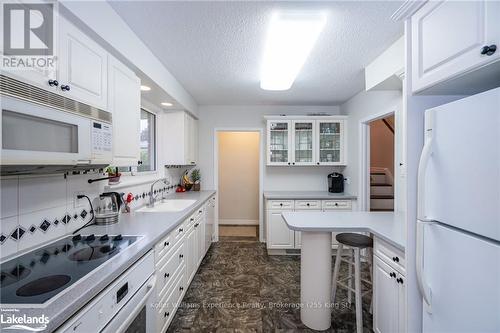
(290, 39)
(166, 104)
(145, 88)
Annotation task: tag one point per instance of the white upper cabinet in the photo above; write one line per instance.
(330, 142)
(125, 104)
(180, 138)
(303, 142)
(83, 66)
(278, 142)
(451, 38)
(306, 142)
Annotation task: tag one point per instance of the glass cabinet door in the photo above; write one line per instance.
(330, 142)
(303, 141)
(278, 142)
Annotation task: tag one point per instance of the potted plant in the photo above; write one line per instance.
(195, 177)
(114, 174)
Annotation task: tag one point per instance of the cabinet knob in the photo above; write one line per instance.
(65, 87)
(53, 83)
(293, 163)
(308, 204)
(488, 50)
(317, 163)
(288, 163)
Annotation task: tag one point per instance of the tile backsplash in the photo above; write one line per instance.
(37, 210)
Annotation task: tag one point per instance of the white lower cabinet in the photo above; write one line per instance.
(178, 256)
(389, 297)
(279, 236)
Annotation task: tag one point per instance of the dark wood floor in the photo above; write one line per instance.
(239, 288)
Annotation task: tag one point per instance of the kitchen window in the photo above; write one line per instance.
(147, 143)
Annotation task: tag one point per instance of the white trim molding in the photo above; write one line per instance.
(407, 10)
(238, 222)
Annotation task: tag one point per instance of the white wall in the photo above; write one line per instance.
(233, 117)
(361, 106)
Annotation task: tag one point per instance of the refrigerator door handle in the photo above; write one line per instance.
(425, 290)
(422, 171)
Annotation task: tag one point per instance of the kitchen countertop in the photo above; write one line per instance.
(389, 226)
(319, 195)
(152, 226)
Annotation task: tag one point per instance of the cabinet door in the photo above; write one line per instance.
(385, 298)
(447, 39)
(303, 142)
(278, 142)
(83, 66)
(330, 142)
(402, 303)
(200, 229)
(192, 254)
(125, 103)
(279, 236)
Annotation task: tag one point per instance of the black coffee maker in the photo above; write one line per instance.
(336, 183)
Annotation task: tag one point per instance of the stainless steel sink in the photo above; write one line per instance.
(175, 205)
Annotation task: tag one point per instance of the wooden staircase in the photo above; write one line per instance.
(381, 192)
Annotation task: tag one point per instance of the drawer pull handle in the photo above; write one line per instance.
(181, 230)
(166, 244)
(166, 314)
(181, 256)
(191, 220)
(167, 275)
(488, 50)
(392, 274)
(395, 259)
(399, 280)
(181, 288)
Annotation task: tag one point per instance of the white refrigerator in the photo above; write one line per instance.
(458, 227)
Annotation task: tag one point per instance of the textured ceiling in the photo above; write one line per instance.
(214, 49)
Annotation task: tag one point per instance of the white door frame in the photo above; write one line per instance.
(364, 155)
(262, 161)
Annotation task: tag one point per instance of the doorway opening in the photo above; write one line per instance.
(380, 170)
(382, 151)
(238, 184)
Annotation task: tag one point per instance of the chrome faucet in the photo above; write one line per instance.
(152, 197)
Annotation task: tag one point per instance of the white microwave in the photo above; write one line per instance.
(50, 138)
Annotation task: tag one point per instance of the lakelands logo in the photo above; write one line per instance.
(12, 321)
(28, 35)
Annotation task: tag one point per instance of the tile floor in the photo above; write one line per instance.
(239, 288)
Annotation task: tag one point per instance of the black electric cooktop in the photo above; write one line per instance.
(39, 275)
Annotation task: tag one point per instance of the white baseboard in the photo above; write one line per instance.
(238, 222)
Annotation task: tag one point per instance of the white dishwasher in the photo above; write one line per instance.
(122, 307)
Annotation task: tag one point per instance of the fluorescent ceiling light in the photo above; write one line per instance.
(145, 88)
(166, 104)
(290, 39)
